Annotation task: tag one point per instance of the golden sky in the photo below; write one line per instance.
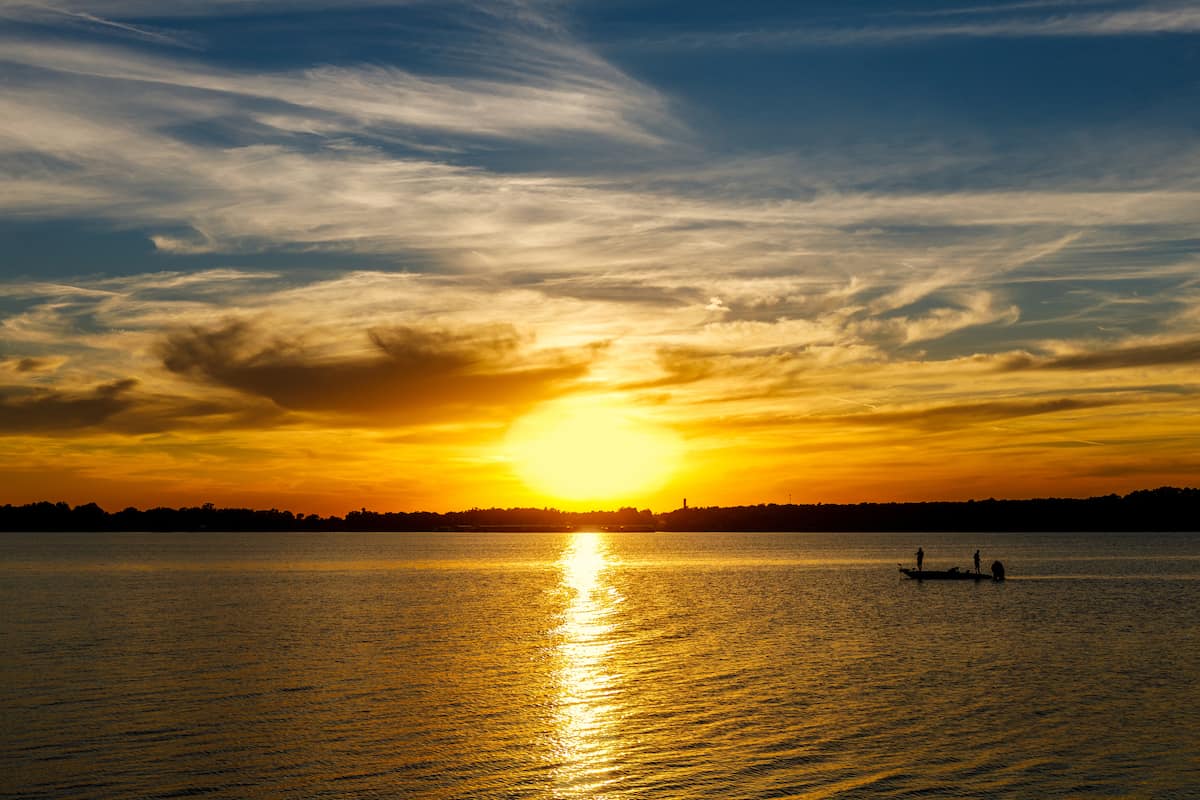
(554, 257)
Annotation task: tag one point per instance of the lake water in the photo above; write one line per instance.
(597, 665)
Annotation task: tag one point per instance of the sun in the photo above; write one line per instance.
(591, 450)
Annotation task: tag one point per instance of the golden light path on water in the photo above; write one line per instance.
(585, 695)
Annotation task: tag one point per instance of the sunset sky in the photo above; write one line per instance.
(325, 254)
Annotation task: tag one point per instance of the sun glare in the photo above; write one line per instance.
(586, 710)
(578, 451)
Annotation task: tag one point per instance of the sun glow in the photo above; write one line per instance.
(590, 451)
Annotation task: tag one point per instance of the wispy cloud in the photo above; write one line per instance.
(977, 308)
(547, 89)
(1001, 8)
(33, 11)
(1127, 356)
(129, 9)
(1144, 21)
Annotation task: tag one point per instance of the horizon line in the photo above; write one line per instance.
(363, 510)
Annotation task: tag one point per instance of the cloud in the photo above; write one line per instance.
(979, 308)
(123, 406)
(45, 410)
(41, 12)
(1007, 7)
(126, 9)
(931, 418)
(680, 365)
(647, 288)
(1186, 351)
(959, 415)
(408, 374)
(1133, 22)
(209, 158)
(542, 87)
(309, 164)
(31, 365)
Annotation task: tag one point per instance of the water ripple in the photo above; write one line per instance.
(594, 665)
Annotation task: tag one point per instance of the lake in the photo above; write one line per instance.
(597, 665)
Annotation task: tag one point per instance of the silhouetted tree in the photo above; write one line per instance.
(1163, 509)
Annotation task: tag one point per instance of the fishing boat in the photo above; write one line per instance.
(952, 574)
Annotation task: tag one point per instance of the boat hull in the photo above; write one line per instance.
(946, 575)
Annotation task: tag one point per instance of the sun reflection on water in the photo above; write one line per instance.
(586, 693)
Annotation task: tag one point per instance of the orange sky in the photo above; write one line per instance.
(293, 412)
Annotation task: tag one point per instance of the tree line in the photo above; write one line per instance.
(1163, 509)
(47, 516)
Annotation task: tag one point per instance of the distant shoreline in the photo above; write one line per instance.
(1162, 509)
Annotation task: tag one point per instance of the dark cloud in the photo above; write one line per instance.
(410, 374)
(1151, 355)
(959, 415)
(680, 365)
(118, 407)
(770, 369)
(949, 416)
(41, 410)
(158, 413)
(31, 365)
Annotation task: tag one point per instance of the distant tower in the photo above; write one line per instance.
(685, 504)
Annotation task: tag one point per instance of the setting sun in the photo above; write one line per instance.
(577, 451)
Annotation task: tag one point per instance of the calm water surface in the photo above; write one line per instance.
(597, 666)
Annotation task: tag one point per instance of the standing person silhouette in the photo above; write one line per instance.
(920, 558)
(976, 562)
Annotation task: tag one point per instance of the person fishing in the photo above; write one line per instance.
(976, 562)
(920, 558)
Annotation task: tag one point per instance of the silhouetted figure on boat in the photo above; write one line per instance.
(997, 571)
(920, 558)
(976, 561)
